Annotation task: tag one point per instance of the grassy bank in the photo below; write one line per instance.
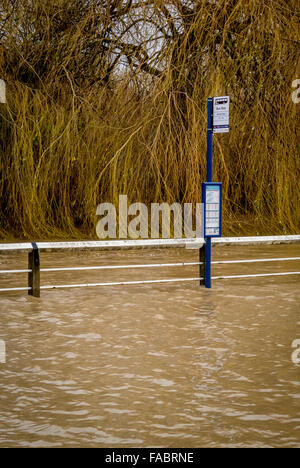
(67, 145)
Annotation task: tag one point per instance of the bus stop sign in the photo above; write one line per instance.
(212, 201)
(221, 114)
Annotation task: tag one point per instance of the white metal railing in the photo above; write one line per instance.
(34, 269)
(149, 265)
(103, 245)
(148, 243)
(258, 275)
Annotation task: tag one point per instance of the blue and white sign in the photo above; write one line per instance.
(212, 199)
(221, 114)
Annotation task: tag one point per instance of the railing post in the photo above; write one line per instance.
(34, 275)
(202, 260)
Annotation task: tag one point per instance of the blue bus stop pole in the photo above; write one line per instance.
(209, 176)
(209, 167)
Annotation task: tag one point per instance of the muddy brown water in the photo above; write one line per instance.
(163, 365)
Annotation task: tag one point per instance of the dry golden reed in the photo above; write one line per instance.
(108, 98)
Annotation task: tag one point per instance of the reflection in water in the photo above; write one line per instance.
(152, 365)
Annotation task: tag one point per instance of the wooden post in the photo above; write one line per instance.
(202, 258)
(34, 275)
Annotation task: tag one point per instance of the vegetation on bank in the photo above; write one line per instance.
(109, 97)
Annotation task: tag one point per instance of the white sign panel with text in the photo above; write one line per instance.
(221, 114)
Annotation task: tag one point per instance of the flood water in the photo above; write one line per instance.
(161, 365)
